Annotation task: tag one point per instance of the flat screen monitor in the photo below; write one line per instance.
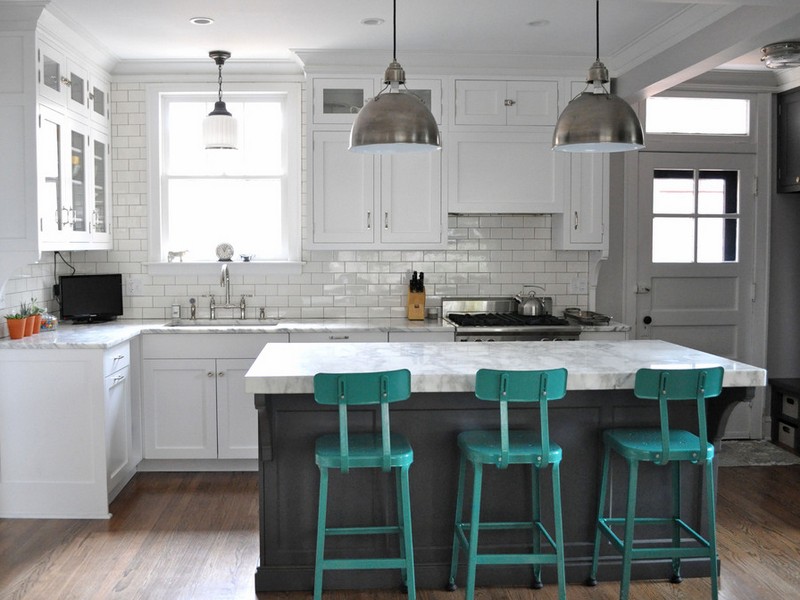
(91, 298)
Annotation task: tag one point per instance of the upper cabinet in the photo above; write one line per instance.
(491, 102)
(73, 153)
(362, 201)
(789, 141)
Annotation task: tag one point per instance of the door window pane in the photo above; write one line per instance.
(717, 240)
(673, 196)
(673, 240)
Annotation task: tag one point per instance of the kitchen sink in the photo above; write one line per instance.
(223, 323)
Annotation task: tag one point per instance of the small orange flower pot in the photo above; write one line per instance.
(16, 328)
(28, 325)
(37, 324)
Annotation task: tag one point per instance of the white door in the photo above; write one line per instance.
(696, 258)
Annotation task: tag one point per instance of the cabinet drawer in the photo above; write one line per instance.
(787, 435)
(116, 358)
(334, 337)
(789, 406)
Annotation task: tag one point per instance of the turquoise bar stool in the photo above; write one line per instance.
(511, 447)
(662, 446)
(384, 450)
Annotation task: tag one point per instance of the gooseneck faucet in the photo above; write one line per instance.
(225, 282)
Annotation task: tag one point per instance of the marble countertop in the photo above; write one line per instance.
(445, 367)
(107, 335)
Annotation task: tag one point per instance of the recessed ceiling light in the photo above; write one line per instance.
(538, 23)
(372, 21)
(201, 20)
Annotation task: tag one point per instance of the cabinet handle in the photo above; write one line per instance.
(117, 379)
(67, 82)
(369, 220)
(338, 337)
(386, 220)
(221, 374)
(509, 102)
(119, 357)
(210, 374)
(797, 179)
(576, 221)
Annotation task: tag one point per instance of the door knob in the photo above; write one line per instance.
(647, 320)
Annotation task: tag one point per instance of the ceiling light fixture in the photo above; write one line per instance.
(597, 120)
(220, 129)
(201, 20)
(782, 55)
(395, 120)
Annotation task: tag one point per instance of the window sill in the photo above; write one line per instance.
(236, 267)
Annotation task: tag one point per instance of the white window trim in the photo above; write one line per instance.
(158, 266)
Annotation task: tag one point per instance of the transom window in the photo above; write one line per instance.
(697, 115)
(248, 197)
(695, 216)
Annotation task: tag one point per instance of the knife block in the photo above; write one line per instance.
(416, 306)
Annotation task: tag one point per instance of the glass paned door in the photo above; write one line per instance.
(77, 214)
(99, 213)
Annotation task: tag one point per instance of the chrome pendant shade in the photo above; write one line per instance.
(782, 55)
(395, 120)
(220, 129)
(597, 120)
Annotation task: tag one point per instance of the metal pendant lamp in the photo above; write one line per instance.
(395, 120)
(782, 55)
(597, 120)
(220, 129)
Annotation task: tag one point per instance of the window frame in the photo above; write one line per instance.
(156, 95)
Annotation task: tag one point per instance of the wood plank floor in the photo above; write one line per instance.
(194, 536)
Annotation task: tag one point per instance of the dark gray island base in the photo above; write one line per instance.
(289, 423)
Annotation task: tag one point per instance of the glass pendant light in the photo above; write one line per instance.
(220, 129)
(597, 120)
(395, 120)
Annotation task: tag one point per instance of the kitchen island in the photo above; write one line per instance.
(600, 383)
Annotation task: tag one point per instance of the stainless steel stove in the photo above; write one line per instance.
(495, 319)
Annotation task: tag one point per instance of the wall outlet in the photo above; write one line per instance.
(133, 285)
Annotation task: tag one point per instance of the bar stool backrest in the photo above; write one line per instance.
(666, 385)
(359, 389)
(522, 386)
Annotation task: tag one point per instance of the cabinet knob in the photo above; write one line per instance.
(797, 179)
(221, 374)
(210, 374)
(509, 102)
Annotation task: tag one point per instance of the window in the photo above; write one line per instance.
(698, 115)
(248, 198)
(695, 216)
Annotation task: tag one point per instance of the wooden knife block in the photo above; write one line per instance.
(416, 306)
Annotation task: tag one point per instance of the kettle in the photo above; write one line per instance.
(529, 305)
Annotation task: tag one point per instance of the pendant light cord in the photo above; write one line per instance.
(219, 81)
(394, 30)
(597, 31)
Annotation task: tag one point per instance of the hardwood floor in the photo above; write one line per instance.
(194, 536)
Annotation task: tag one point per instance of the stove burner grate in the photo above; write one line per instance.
(504, 319)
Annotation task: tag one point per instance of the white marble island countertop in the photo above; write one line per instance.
(447, 367)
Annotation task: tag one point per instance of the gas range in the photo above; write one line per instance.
(495, 319)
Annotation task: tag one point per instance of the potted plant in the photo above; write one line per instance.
(36, 313)
(25, 311)
(15, 323)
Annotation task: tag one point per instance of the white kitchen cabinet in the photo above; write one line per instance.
(506, 103)
(338, 100)
(336, 337)
(194, 403)
(63, 80)
(422, 336)
(366, 201)
(65, 432)
(584, 223)
(504, 172)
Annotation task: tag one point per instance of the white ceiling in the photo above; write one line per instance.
(632, 31)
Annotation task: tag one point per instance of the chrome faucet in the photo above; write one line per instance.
(212, 308)
(225, 281)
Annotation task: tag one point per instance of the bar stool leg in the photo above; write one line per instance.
(712, 528)
(537, 517)
(592, 579)
(408, 552)
(559, 532)
(321, 522)
(462, 475)
(472, 551)
(630, 522)
(676, 515)
(398, 494)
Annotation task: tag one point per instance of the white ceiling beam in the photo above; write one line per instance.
(743, 30)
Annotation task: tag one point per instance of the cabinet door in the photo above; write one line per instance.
(99, 100)
(339, 100)
(582, 226)
(343, 337)
(480, 102)
(532, 103)
(77, 89)
(51, 152)
(789, 142)
(237, 425)
(79, 180)
(100, 217)
(504, 173)
(344, 191)
(411, 199)
(180, 408)
(118, 429)
(52, 73)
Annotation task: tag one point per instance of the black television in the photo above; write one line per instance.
(91, 298)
